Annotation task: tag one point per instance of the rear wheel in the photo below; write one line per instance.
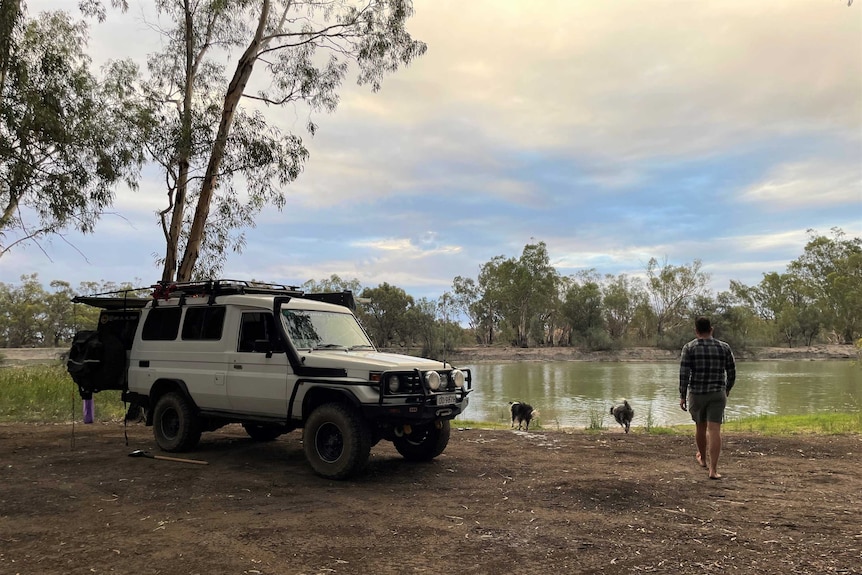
(424, 443)
(262, 432)
(336, 441)
(175, 425)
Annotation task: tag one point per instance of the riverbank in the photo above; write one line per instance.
(641, 354)
(499, 354)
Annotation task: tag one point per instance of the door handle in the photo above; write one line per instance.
(237, 366)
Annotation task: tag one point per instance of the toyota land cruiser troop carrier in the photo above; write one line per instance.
(199, 355)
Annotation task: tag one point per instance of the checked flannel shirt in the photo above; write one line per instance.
(706, 365)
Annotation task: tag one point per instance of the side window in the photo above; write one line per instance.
(162, 323)
(255, 326)
(203, 323)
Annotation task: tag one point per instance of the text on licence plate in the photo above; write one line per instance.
(446, 399)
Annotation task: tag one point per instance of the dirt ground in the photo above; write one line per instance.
(496, 501)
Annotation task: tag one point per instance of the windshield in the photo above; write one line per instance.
(312, 329)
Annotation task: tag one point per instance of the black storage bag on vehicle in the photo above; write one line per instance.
(96, 362)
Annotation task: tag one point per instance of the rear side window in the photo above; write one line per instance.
(203, 323)
(162, 323)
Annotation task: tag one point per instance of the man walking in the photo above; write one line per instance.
(707, 373)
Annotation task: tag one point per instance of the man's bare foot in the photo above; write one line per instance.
(714, 475)
(700, 460)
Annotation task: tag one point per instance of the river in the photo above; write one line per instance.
(574, 394)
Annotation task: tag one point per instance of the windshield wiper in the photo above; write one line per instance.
(360, 346)
(330, 346)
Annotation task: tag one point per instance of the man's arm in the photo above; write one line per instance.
(730, 370)
(684, 377)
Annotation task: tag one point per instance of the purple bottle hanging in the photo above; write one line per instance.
(89, 410)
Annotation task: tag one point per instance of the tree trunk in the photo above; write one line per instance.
(172, 239)
(237, 85)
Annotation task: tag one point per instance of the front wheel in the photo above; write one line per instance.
(175, 425)
(424, 443)
(336, 441)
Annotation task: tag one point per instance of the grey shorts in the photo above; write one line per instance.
(707, 407)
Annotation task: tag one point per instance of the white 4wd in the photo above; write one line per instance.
(199, 355)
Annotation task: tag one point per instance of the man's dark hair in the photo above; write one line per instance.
(702, 324)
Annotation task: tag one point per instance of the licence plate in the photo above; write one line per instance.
(446, 398)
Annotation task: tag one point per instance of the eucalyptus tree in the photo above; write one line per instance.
(223, 158)
(521, 291)
(383, 315)
(420, 324)
(494, 276)
(671, 290)
(464, 299)
(558, 328)
(767, 298)
(470, 299)
(831, 268)
(22, 310)
(67, 138)
(536, 289)
(621, 296)
(334, 283)
(31, 316)
(582, 307)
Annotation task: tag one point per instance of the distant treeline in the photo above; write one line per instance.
(525, 302)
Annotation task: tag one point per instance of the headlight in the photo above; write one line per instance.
(432, 379)
(458, 378)
(393, 383)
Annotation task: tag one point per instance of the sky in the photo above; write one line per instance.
(614, 132)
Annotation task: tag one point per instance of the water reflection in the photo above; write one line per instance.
(571, 394)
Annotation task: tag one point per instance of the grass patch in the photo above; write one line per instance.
(46, 393)
(596, 417)
(823, 423)
(465, 423)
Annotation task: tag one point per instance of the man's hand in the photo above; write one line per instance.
(682, 405)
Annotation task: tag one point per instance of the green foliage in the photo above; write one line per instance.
(621, 296)
(515, 291)
(672, 290)
(332, 284)
(30, 316)
(582, 308)
(829, 275)
(46, 393)
(384, 314)
(596, 416)
(66, 137)
(822, 304)
(209, 129)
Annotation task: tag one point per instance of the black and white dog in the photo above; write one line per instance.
(522, 414)
(624, 414)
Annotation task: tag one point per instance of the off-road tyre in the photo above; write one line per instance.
(175, 425)
(336, 441)
(262, 432)
(424, 443)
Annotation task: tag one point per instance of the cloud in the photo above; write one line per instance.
(613, 131)
(797, 185)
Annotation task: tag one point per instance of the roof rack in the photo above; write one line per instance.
(215, 288)
(163, 290)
